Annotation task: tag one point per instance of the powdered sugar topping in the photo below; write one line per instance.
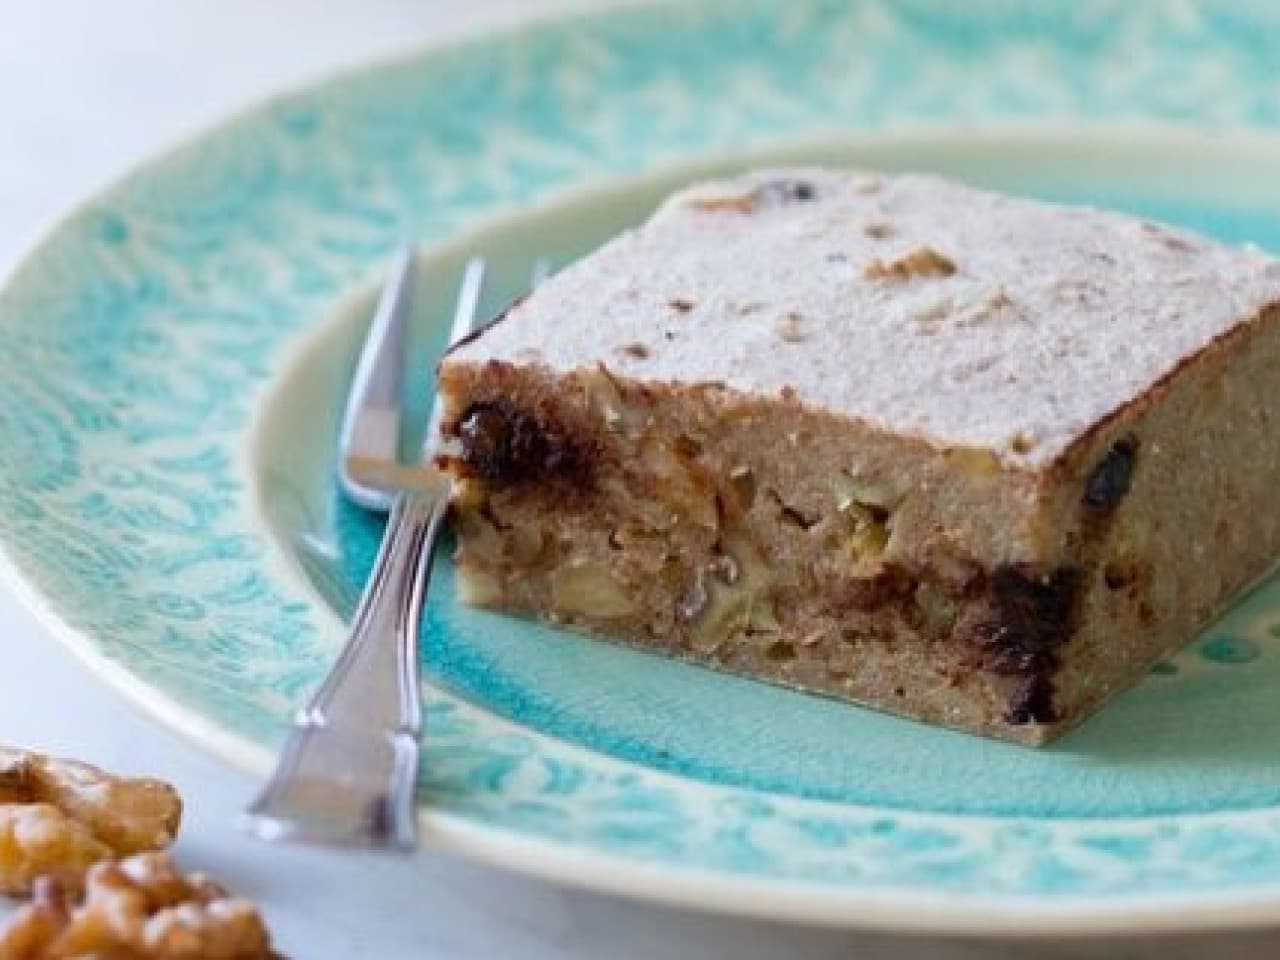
(919, 305)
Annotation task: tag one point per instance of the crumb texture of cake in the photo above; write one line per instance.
(973, 459)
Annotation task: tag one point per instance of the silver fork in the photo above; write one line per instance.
(348, 769)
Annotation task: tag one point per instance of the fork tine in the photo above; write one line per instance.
(468, 305)
(371, 421)
(465, 319)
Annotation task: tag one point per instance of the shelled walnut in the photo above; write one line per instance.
(58, 817)
(140, 908)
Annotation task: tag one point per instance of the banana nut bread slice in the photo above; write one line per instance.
(972, 459)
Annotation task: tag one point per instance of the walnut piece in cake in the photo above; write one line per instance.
(981, 464)
(58, 817)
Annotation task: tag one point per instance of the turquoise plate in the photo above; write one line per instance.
(172, 358)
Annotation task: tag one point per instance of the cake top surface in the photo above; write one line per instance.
(917, 305)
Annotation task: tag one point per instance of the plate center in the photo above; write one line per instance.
(1196, 735)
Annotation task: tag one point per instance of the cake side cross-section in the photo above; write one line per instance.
(973, 459)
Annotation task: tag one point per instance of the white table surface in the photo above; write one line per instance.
(86, 88)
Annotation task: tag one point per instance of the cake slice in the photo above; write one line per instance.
(968, 458)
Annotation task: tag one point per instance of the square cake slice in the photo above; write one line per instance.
(968, 458)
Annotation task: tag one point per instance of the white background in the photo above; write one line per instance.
(86, 88)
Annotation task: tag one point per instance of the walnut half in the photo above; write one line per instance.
(57, 817)
(140, 908)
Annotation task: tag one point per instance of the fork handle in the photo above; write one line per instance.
(348, 770)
